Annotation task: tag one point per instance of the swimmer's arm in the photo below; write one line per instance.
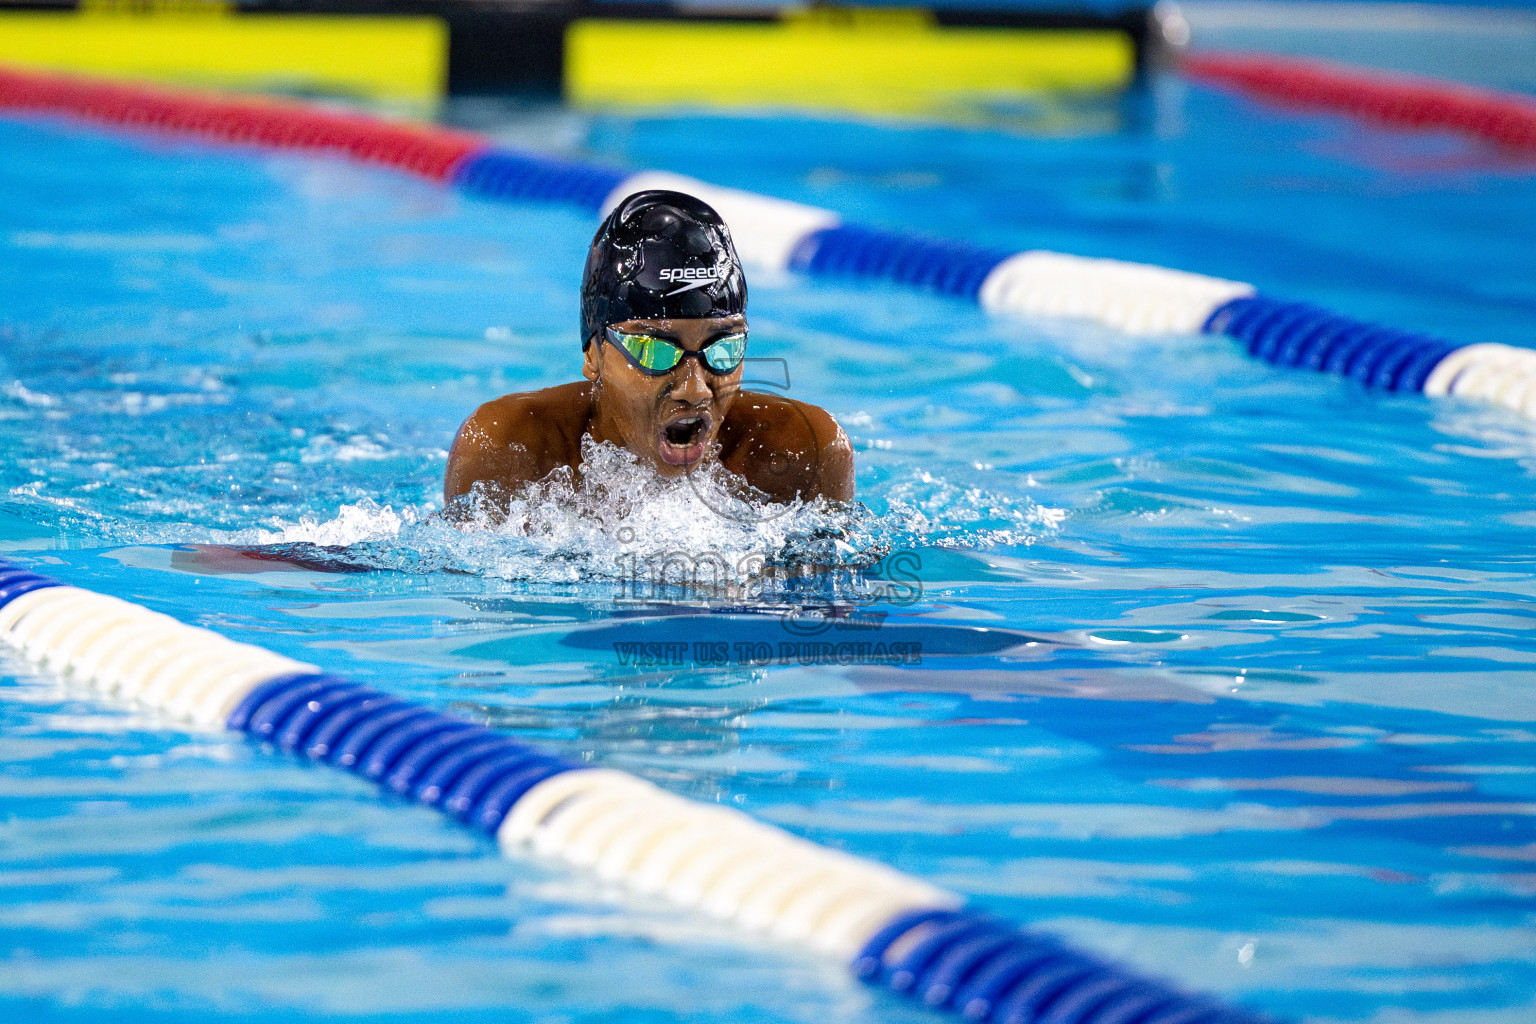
(492, 449)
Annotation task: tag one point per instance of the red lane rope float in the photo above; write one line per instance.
(425, 150)
(1397, 101)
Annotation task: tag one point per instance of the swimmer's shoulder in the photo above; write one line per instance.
(787, 448)
(518, 438)
(561, 408)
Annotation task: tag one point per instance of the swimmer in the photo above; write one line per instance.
(664, 337)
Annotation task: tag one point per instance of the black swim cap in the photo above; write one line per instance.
(660, 254)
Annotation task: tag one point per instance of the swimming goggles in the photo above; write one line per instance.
(658, 356)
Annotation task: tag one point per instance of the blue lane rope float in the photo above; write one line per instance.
(949, 268)
(510, 176)
(1299, 334)
(896, 932)
(776, 235)
(396, 744)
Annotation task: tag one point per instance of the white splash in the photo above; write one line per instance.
(354, 524)
(619, 519)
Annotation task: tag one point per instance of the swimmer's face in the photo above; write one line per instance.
(669, 420)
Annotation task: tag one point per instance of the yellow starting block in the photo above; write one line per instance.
(393, 60)
(867, 60)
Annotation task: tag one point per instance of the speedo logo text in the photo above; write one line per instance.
(693, 277)
(692, 273)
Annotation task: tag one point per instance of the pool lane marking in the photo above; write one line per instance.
(896, 931)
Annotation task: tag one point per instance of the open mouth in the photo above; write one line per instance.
(682, 440)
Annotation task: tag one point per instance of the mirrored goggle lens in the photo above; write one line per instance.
(725, 354)
(653, 355)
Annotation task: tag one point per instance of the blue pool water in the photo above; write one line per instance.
(1275, 738)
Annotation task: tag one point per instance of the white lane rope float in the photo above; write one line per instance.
(896, 931)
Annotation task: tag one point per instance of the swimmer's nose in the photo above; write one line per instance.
(693, 388)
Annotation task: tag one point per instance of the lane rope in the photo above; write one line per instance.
(1507, 120)
(777, 235)
(896, 932)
